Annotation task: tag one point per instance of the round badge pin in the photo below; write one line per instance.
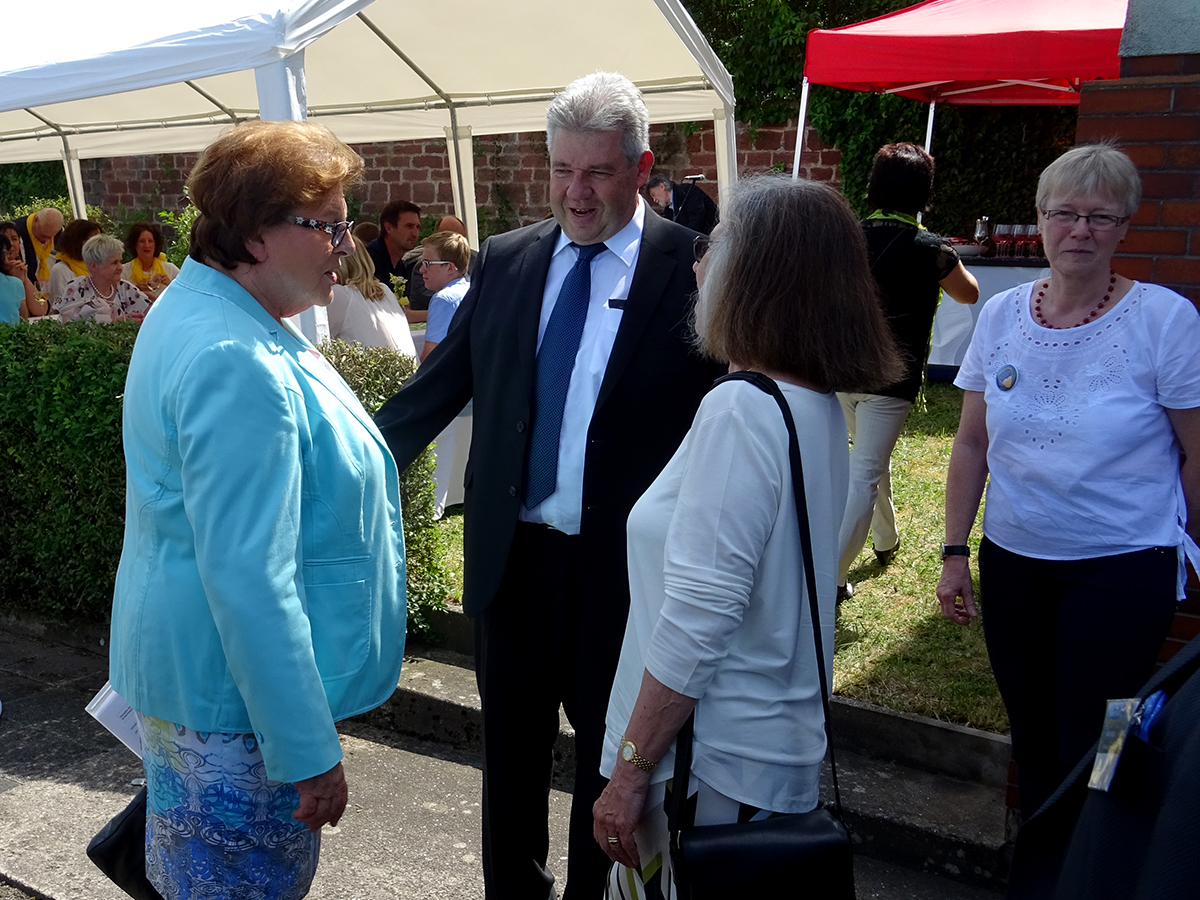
(1006, 378)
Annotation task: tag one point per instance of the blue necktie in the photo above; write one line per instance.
(555, 360)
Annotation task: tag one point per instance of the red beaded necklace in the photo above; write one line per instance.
(1037, 305)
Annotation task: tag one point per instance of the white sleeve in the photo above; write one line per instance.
(1177, 376)
(728, 505)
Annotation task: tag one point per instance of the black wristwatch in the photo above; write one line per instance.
(955, 550)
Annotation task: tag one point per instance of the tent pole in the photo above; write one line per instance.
(74, 180)
(462, 179)
(282, 91)
(725, 143)
(283, 97)
(929, 126)
(800, 129)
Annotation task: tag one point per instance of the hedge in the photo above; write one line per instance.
(62, 481)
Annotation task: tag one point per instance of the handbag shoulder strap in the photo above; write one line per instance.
(683, 749)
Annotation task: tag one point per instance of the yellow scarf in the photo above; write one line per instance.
(137, 274)
(43, 251)
(78, 266)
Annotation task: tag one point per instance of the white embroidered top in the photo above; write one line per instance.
(1083, 459)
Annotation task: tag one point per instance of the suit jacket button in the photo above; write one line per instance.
(520, 427)
(512, 492)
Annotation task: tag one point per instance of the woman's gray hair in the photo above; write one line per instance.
(1092, 170)
(100, 248)
(602, 101)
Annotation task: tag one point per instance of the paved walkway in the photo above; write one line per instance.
(411, 830)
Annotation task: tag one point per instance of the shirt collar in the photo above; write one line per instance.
(623, 244)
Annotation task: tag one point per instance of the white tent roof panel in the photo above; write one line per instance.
(502, 62)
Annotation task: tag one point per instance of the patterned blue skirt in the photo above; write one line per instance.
(215, 826)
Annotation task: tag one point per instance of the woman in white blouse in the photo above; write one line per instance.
(363, 311)
(103, 296)
(719, 615)
(1080, 391)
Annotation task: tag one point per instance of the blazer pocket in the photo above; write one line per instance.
(340, 619)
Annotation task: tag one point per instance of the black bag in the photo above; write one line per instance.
(810, 852)
(119, 850)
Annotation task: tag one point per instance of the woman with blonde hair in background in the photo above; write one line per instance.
(363, 311)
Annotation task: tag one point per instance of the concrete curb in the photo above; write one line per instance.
(910, 740)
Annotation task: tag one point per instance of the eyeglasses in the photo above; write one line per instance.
(1096, 221)
(337, 231)
(426, 263)
(700, 245)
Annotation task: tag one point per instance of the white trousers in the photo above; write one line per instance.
(450, 450)
(874, 423)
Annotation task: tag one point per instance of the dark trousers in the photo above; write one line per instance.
(536, 647)
(1064, 637)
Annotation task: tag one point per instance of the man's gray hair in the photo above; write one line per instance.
(100, 248)
(602, 101)
(659, 180)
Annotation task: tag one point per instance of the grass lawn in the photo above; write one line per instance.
(894, 649)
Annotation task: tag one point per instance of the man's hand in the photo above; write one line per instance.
(323, 798)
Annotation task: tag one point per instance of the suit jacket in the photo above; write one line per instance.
(261, 583)
(648, 396)
(692, 208)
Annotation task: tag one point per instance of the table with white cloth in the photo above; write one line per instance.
(955, 322)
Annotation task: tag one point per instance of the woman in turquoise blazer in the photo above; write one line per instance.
(260, 594)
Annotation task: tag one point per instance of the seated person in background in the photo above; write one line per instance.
(17, 293)
(400, 224)
(686, 204)
(444, 260)
(149, 270)
(365, 232)
(103, 296)
(69, 256)
(15, 248)
(37, 231)
(363, 311)
(455, 224)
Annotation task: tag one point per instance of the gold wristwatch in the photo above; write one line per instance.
(629, 754)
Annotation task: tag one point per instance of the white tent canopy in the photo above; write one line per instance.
(384, 71)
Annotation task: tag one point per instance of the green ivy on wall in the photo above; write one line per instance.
(988, 157)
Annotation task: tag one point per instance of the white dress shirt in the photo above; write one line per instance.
(612, 273)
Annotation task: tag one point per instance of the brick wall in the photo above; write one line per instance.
(511, 171)
(1153, 112)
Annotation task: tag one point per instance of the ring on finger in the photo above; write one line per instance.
(613, 839)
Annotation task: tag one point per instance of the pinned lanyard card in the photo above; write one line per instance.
(1123, 719)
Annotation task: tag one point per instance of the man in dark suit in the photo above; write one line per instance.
(686, 204)
(574, 342)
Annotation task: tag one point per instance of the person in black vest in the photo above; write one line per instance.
(686, 204)
(912, 266)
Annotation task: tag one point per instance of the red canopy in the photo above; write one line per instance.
(974, 51)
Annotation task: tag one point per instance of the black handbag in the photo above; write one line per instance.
(806, 853)
(119, 850)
